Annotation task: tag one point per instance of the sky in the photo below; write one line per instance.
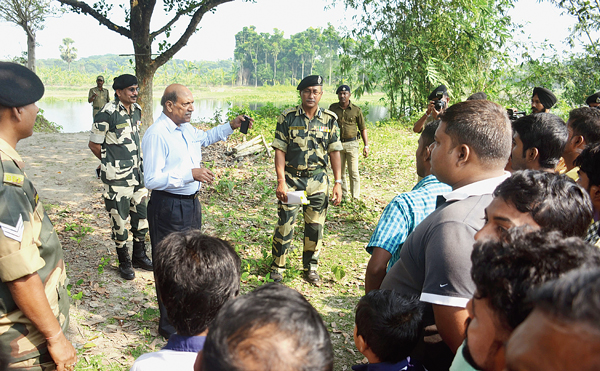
(216, 38)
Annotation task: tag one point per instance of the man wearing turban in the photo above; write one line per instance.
(542, 100)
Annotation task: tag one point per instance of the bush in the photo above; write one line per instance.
(42, 125)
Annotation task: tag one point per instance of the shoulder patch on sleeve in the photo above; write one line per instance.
(288, 111)
(16, 232)
(13, 179)
(331, 113)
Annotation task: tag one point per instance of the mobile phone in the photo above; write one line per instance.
(245, 125)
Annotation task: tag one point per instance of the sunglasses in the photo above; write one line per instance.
(134, 90)
(99, 80)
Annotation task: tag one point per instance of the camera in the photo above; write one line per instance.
(439, 105)
(245, 125)
(515, 115)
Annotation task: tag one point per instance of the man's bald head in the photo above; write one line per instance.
(178, 103)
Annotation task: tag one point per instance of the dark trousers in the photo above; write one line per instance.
(168, 213)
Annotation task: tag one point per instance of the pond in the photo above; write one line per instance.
(75, 117)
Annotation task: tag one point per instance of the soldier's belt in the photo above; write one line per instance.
(304, 173)
(348, 140)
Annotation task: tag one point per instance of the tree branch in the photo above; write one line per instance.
(165, 27)
(191, 28)
(81, 6)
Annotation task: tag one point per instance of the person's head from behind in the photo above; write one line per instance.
(540, 200)
(504, 272)
(271, 328)
(423, 153)
(388, 326)
(589, 172)
(477, 96)
(563, 331)
(473, 142)
(584, 129)
(538, 142)
(196, 275)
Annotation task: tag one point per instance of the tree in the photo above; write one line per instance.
(30, 16)
(68, 53)
(419, 44)
(138, 15)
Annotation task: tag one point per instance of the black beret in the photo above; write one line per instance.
(312, 80)
(478, 96)
(124, 81)
(343, 88)
(594, 98)
(19, 86)
(440, 90)
(545, 96)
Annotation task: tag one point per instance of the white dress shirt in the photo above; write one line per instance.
(171, 152)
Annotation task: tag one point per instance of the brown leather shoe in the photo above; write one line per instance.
(311, 276)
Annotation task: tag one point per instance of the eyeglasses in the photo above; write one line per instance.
(99, 80)
(310, 92)
(134, 90)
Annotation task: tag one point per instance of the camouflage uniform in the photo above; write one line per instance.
(102, 98)
(306, 144)
(121, 169)
(28, 244)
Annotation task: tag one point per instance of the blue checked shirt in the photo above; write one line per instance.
(403, 214)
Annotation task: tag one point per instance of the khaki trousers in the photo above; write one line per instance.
(349, 157)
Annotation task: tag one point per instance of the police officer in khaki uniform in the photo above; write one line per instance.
(305, 138)
(350, 120)
(34, 305)
(98, 96)
(115, 140)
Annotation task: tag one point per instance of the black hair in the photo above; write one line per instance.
(573, 298)
(196, 275)
(589, 162)
(554, 201)
(390, 323)
(478, 96)
(585, 121)
(506, 270)
(546, 132)
(428, 132)
(170, 96)
(271, 328)
(483, 126)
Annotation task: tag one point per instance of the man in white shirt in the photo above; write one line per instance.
(173, 171)
(471, 147)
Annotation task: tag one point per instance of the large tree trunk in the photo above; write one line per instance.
(30, 49)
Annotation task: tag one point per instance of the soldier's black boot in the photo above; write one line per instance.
(139, 258)
(125, 269)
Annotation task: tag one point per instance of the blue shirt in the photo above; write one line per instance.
(171, 152)
(404, 365)
(403, 214)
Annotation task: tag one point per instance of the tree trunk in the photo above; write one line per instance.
(30, 49)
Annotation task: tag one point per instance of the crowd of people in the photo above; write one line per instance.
(491, 262)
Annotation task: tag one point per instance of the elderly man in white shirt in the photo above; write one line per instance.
(172, 170)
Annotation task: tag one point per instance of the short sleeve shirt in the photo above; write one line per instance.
(101, 97)
(350, 120)
(118, 132)
(307, 143)
(28, 244)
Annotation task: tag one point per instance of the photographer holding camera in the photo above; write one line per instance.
(438, 102)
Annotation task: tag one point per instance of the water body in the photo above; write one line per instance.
(75, 117)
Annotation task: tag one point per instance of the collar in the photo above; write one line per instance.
(384, 366)
(479, 188)
(182, 343)
(425, 181)
(301, 112)
(169, 124)
(11, 152)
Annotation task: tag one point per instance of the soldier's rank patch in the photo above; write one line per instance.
(14, 179)
(16, 232)
(121, 126)
(297, 127)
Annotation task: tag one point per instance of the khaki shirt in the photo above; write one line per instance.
(307, 143)
(118, 132)
(28, 244)
(350, 120)
(102, 98)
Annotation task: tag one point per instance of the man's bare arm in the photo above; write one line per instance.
(376, 269)
(451, 324)
(281, 191)
(96, 149)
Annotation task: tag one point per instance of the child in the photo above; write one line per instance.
(388, 327)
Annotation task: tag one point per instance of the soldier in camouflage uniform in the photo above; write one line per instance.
(34, 305)
(305, 137)
(115, 140)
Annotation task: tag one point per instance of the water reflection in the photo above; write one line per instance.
(77, 116)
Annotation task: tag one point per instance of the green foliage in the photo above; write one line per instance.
(68, 53)
(104, 261)
(338, 272)
(80, 231)
(42, 125)
(77, 296)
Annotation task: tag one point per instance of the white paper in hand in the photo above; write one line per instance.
(297, 198)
